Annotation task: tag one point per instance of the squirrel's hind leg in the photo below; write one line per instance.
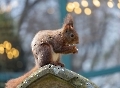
(43, 55)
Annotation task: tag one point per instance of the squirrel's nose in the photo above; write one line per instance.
(78, 41)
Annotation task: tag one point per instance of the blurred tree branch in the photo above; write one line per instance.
(26, 10)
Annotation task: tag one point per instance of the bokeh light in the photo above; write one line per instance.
(1, 49)
(76, 4)
(84, 3)
(10, 51)
(15, 53)
(7, 50)
(5, 42)
(87, 11)
(110, 4)
(77, 10)
(9, 55)
(2, 45)
(118, 5)
(70, 7)
(96, 3)
(8, 46)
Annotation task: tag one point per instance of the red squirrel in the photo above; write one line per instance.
(48, 45)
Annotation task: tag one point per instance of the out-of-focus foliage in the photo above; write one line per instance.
(7, 33)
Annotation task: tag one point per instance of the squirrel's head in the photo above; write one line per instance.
(69, 33)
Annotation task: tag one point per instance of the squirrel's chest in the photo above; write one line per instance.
(55, 56)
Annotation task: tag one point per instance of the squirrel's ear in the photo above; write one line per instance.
(68, 21)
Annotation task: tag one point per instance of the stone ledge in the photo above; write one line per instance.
(50, 76)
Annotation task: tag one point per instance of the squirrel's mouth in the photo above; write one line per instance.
(71, 44)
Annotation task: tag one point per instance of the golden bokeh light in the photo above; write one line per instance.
(110, 4)
(118, 5)
(87, 11)
(70, 7)
(69, 10)
(7, 50)
(76, 4)
(1, 49)
(5, 42)
(96, 3)
(15, 53)
(9, 55)
(77, 10)
(84, 3)
(10, 51)
(118, 0)
(2, 45)
(8, 46)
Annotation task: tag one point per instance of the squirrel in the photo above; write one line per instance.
(48, 45)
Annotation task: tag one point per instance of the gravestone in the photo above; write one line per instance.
(50, 76)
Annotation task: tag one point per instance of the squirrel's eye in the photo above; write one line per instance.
(71, 35)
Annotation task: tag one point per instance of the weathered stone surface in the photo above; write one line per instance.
(51, 76)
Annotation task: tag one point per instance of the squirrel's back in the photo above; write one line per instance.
(45, 36)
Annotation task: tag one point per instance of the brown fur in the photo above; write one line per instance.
(48, 45)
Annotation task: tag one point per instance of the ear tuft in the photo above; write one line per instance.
(68, 20)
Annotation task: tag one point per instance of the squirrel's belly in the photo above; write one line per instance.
(55, 56)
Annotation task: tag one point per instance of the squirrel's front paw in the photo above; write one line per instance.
(75, 50)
